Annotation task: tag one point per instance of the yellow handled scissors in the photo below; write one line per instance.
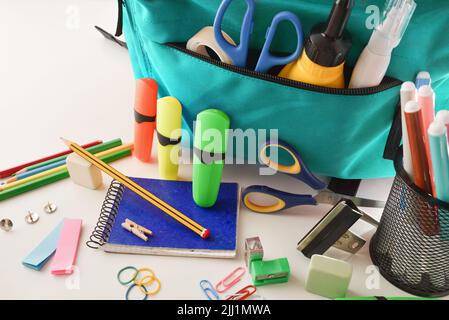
(263, 199)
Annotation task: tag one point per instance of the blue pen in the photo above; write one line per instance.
(440, 161)
(423, 79)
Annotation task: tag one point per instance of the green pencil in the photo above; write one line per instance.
(98, 148)
(55, 177)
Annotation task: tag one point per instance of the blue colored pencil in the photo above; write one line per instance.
(27, 174)
(440, 162)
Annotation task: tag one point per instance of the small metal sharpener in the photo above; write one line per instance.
(253, 250)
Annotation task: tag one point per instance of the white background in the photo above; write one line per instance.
(60, 77)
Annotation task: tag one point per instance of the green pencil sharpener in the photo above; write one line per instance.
(264, 272)
(209, 147)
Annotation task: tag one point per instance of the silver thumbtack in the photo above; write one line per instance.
(6, 224)
(50, 207)
(31, 217)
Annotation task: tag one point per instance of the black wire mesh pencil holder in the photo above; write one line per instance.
(411, 245)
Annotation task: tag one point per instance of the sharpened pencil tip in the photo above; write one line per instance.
(67, 142)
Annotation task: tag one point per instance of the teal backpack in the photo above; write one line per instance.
(339, 132)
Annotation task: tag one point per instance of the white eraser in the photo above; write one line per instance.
(83, 173)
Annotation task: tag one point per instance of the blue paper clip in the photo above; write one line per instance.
(208, 290)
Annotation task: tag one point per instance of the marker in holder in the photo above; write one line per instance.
(406, 255)
(145, 118)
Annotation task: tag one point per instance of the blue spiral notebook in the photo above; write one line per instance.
(169, 236)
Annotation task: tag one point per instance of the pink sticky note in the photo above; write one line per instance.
(67, 249)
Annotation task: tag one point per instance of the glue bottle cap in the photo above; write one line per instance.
(328, 43)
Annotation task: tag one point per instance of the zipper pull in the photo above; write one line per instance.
(109, 36)
(119, 30)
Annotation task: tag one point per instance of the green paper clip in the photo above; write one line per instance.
(264, 272)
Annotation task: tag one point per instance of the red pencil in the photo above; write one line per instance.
(9, 172)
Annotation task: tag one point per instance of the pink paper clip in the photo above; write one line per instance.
(243, 293)
(230, 280)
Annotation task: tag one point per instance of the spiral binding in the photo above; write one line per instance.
(108, 213)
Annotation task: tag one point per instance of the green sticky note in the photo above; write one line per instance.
(328, 277)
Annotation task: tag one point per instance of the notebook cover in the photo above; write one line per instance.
(168, 234)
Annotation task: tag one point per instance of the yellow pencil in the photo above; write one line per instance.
(60, 168)
(165, 207)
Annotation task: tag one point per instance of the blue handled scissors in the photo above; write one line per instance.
(239, 54)
(263, 199)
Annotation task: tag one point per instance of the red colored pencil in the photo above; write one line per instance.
(9, 172)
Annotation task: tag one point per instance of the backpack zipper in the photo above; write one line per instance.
(386, 84)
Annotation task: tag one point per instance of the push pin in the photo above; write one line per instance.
(31, 217)
(333, 231)
(50, 208)
(6, 224)
(136, 229)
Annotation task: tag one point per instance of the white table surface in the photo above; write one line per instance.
(59, 77)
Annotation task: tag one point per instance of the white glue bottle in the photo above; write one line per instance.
(373, 63)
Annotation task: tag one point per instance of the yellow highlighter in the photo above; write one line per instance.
(168, 127)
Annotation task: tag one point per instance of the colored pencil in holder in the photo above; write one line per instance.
(426, 101)
(440, 160)
(409, 258)
(408, 93)
(421, 167)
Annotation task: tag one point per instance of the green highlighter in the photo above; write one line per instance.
(209, 146)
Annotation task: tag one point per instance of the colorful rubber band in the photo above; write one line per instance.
(142, 288)
(156, 290)
(150, 276)
(124, 269)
